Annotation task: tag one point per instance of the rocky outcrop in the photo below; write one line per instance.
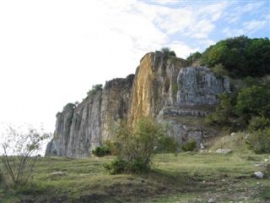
(197, 95)
(162, 88)
(80, 129)
(200, 86)
(60, 140)
(155, 85)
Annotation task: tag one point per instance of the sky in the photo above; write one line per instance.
(53, 51)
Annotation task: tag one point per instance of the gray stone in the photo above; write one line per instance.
(212, 200)
(199, 86)
(58, 173)
(259, 174)
(223, 151)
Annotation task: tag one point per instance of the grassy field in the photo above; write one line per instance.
(187, 177)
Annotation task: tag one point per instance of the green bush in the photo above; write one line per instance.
(167, 52)
(138, 165)
(223, 112)
(193, 57)
(253, 101)
(101, 151)
(95, 89)
(137, 144)
(259, 141)
(117, 166)
(113, 147)
(258, 123)
(236, 110)
(241, 56)
(220, 70)
(135, 166)
(189, 146)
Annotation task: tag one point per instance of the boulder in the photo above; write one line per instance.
(259, 174)
(223, 151)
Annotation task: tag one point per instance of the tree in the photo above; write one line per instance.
(223, 112)
(194, 57)
(138, 144)
(241, 56)
(253, 101)
(259, 141)
(95, 89)
(21, 153)
(167, 52)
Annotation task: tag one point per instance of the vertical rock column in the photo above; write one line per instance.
(59, 144)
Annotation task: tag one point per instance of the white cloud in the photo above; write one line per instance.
(238, 10)
(52, 52)
(247, 28)
(166, 2)
(212, 12)
(201, 29)
(175, 20)
(254, 25)
(251, 6)
(182, 50)
(230, 32)
(189, 20)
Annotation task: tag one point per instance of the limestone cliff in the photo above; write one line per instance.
(197, 95)
(155, 85)
(80, 129)
(162, 88)
(199, 86)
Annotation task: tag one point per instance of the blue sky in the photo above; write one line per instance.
(53, 51)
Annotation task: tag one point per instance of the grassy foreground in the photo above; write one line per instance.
(187, 177)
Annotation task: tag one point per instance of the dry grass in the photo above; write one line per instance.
(187, 177)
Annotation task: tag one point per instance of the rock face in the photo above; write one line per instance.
(155, 85)
(162, 88)
(60, 140)
(80, 129)
(199, 86)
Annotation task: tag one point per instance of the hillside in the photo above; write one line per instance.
(188, 177)
(224, 112)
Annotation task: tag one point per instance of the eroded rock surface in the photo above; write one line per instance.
(162, 88)
(200, 86)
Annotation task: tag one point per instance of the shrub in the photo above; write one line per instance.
(167, 52)
(258, 123)
(219, 70)
(94, 90)
(194, 57)
(241, 56)
(20, 154)
(259, 141)
(223, 112)
(189, 146)
(238, 110)
(253, 101)
(101, 151)
(138, 144)
(113, 147)
(117, 166)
